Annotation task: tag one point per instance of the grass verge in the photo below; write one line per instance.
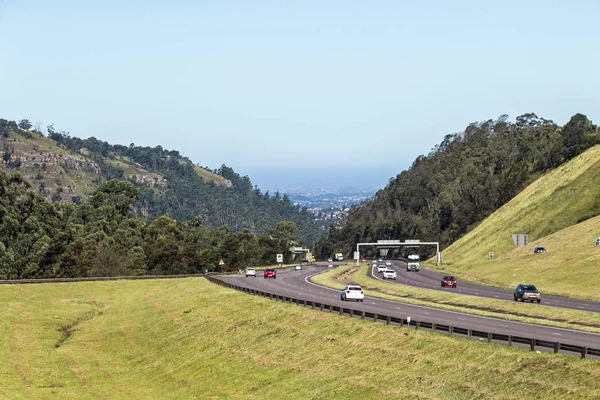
(559, 211)
(522, 312)
(189, 339)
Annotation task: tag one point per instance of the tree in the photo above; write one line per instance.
(25, 124)
(574, 135)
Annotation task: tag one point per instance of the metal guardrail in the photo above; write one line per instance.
(532, 343)
(110, 278)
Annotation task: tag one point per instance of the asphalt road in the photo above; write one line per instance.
(428, 279)
(297, 284)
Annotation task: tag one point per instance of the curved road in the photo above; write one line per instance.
(297, 284)
(428, 279)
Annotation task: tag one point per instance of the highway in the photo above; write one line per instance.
(428, 279)
(297, 284)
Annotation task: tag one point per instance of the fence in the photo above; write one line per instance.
(532, 343)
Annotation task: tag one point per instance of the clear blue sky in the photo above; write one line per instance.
(283, 85)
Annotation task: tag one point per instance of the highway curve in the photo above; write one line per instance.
(428, 279)
(297, 284)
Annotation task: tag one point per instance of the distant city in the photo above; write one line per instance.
(329, 205)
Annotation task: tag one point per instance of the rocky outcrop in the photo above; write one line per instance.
(148, 180)
(52, 159)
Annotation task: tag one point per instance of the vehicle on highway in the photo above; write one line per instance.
(330, 266)
(250, 272)
(339, 256)
(298, 267)
(374, 262)
(539, 250)
(270, 273)
(381, 268)
(448, 281)
(352, 292)
(380, 260)
(329, 260)
(388, 263)
(527, 291)
(389, 274)
(413, 263)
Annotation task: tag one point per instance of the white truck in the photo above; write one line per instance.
(413, 263)
(339, 256)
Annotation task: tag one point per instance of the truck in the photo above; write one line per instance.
(413, 263)
(339, 257)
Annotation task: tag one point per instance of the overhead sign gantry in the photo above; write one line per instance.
(398, 243)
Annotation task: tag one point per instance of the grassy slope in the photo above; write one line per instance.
(82, 180)
(54, 176)
(187, 338)
(523, 312)
(550, 204)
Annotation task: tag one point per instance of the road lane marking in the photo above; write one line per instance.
(440, 310)
(556, 334)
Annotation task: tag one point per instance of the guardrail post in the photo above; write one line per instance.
(418, 324)
(451, 330)
(584, 352)
(510, 340)
(469, 332)
(313, 305)
(341, 311)
(375, 317)
(388, 320)
(304, 303)
(489, 337)
(362, 315)
(556, 347)
(433, 327)
(401, 323)
(532, 344)
(322, 307)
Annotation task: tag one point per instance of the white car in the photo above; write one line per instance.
(352, 292)
(329, 260)
(380, 260)
(374, 261)
(250, 272)
(298, 267)
(388, 263)
(381, 268)
(389, 274)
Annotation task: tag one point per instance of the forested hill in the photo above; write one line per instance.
(68, 169)
(462, 180)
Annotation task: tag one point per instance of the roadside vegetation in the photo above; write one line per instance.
(529, 313)
(189, 339)
(105, 236)
(559, 212)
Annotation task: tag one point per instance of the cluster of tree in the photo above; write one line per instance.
(240, 207)
(464, 179)
(105, 236)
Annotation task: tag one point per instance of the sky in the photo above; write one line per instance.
(329, 92)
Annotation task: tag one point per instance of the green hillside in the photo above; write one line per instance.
(189, 339)
(549, 210)
(66, 169)
(463, 180)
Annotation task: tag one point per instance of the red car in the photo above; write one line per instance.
(270, 273)
(448, 281)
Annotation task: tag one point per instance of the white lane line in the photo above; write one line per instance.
(556, 334)
(496, 296)
(580, 307)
